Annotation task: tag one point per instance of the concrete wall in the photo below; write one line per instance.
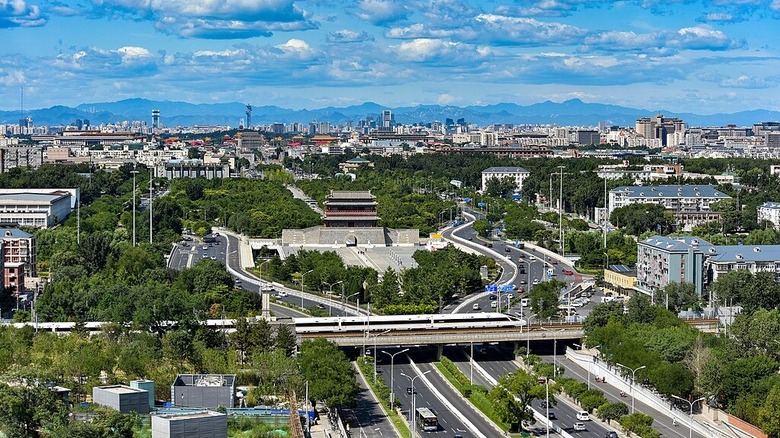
(195, 425)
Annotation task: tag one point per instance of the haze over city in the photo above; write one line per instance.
(695, 56)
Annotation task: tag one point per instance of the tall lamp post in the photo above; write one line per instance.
(555, 349)
(392, 374)
(413, 411)
(134, 172)
(344, 300)
(560, 211)
(260, 270)
(376, 336)
(690, 418)
(303, 275)
(330, 294)
(633, 378)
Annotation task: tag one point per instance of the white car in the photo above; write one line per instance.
(579, 427)
(493, 304)
(524, 302)
(475, 306)
(282, 294)
(583, 416)
(536, 281)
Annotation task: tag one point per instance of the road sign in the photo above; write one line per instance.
(507, 288)
(491, 288)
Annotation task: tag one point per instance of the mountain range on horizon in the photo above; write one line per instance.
(572, 112)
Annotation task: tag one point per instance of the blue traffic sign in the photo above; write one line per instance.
(491, 288)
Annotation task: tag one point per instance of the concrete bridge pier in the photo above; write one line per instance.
(439, 351)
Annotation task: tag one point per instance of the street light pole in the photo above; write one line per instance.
(134, 172)
(330, 294)
(303, 275)
(547, 403)
(555, 349)
(690, 418)
(633, 378)
(376, 336)
(413, 411)
(392, 374)
(560, 211)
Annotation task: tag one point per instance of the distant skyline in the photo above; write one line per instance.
(677, 55)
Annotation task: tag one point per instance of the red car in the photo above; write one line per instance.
(568, 272)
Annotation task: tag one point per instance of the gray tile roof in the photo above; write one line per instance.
(678, 244)
(14, 233)
(770, 205)
(746, 253)
(677, 191)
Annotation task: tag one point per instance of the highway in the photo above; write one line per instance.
(496, 362)
(662, 423)
(455, 415)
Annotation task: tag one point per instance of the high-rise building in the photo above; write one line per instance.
(155, 119)
(388, 120)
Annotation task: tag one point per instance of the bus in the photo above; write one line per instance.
(427, 420)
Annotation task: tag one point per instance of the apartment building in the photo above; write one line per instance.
(663, 260)
(769, 211)
(690, 204)
(19, 248)
(516, 174)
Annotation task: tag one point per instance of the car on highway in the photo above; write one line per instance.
(579, 427)
(205, 247)
(493, 304)
(568, 272)
(611, 434)
(524, 302)
(536, 281)
(475, 306)
(531, 258)
(506, 249)
(493, 296)
(281, 294)
(583, 416)
(551, 415)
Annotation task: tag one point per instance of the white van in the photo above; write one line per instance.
(524, 302)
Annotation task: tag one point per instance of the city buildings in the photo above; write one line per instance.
(752, 258)
(516, 174)
(690, 204)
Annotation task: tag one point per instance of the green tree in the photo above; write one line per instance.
(513, 395)
(329, 372)
(601, 315)
(641, 218)
(544, 298)
(612, 411)
(636, 423)
(26, 410)
(500, 187)
(285, 339)
(769, 421)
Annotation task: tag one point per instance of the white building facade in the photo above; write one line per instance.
(517, 174)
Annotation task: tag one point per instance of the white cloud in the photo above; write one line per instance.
(348, 36)
(382, 11)
(505, 30)
(12, 78)
(211, 19)
(17, 13)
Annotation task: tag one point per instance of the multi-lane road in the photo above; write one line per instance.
(454, 413)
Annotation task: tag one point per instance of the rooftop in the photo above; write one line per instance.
(120, 389)
(678, 244)
(32, 197)
(335, 194)
(747, 253)
(771, 205)
(677, 191)
(504, 170)
(14, 233)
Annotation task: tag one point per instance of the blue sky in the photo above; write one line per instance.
(678, 55)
